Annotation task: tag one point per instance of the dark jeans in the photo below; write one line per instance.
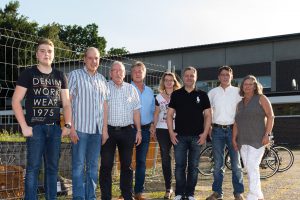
(187, 151)
(220, 138)
(165, 145)
(123, 139)
(45, 142)
(141, 153)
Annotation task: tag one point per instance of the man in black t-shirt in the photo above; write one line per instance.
(192, 124)
(46, 90)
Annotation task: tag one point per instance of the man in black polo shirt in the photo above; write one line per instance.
(192, 124)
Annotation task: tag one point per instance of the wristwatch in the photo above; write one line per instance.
(68, 126)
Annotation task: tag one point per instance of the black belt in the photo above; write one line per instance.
(146, 126)
(118, 128)
(53, 123)
(223, 126)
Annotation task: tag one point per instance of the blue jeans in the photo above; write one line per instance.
(85, 158)
(220, 138)
(140, 170)
(45, 142)
(187, 151)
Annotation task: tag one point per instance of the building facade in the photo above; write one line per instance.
(275, 61)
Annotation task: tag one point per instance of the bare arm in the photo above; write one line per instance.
(234, 137)
(105, 118)
(155, 121)
(266, 105)
(170, 115)
(207, 126)
(18, 96)
(67, 110)
(73, 135)
(137, 123)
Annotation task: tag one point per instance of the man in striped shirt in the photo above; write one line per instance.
(123, 111)
(89, 95)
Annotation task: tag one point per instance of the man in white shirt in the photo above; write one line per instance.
(223, 100)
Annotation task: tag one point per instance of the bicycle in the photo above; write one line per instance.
(268, 167)
(285, 155)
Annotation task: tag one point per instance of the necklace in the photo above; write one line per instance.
(167, 93)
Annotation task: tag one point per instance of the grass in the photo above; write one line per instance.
(10, 136)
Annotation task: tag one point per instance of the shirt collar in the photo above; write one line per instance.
(86, 71)
(136, 86)
(115, 85)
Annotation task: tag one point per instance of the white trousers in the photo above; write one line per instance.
(251, 158)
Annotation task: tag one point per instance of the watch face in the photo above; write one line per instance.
(67, 125)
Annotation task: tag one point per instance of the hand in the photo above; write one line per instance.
(27, 131)
(73, 136)
(265, 140)
(65, 131)
(235, 145)
(138, 138)
(153, 133)
(202, 139)
(173, 138)
(104, 136)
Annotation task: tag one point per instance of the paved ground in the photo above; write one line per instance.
(285, 185)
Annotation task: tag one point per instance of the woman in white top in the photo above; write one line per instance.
(168, 84)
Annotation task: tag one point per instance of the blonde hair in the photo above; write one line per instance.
(42, 41)
(258, 87)
(139, 64)
(162, 88)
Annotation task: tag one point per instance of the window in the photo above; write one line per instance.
(209, 84)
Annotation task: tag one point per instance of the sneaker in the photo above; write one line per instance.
(177, 197)
(215, 196)
(238, 197)
(191, 198)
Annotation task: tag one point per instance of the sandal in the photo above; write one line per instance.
(168, 194)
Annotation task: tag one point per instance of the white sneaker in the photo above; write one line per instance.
(177, 197)
(191, 198)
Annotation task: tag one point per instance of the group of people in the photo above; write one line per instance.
(101, 116)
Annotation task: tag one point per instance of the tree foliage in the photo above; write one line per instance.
(117, 51)
(82, 37)
(11, 19)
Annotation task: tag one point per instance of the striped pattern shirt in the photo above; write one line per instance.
(121, 104)
(88, 95)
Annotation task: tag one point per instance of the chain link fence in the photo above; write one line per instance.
(17, 52)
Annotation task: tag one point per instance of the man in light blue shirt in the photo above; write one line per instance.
(138, 74)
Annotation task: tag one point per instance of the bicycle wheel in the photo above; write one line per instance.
(269, 164)
(206, 162)
(286, 158)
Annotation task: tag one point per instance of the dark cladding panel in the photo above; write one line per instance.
(256, 69)
(286, 71)
(239, 71)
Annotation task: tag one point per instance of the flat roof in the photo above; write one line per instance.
(218, 45)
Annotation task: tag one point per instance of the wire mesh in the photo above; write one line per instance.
(17, 52)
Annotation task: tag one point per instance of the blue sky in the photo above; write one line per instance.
(145, 25)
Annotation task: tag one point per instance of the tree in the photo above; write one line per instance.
(117, 51)
(16, 28)
(80, 37)
(10, 19)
